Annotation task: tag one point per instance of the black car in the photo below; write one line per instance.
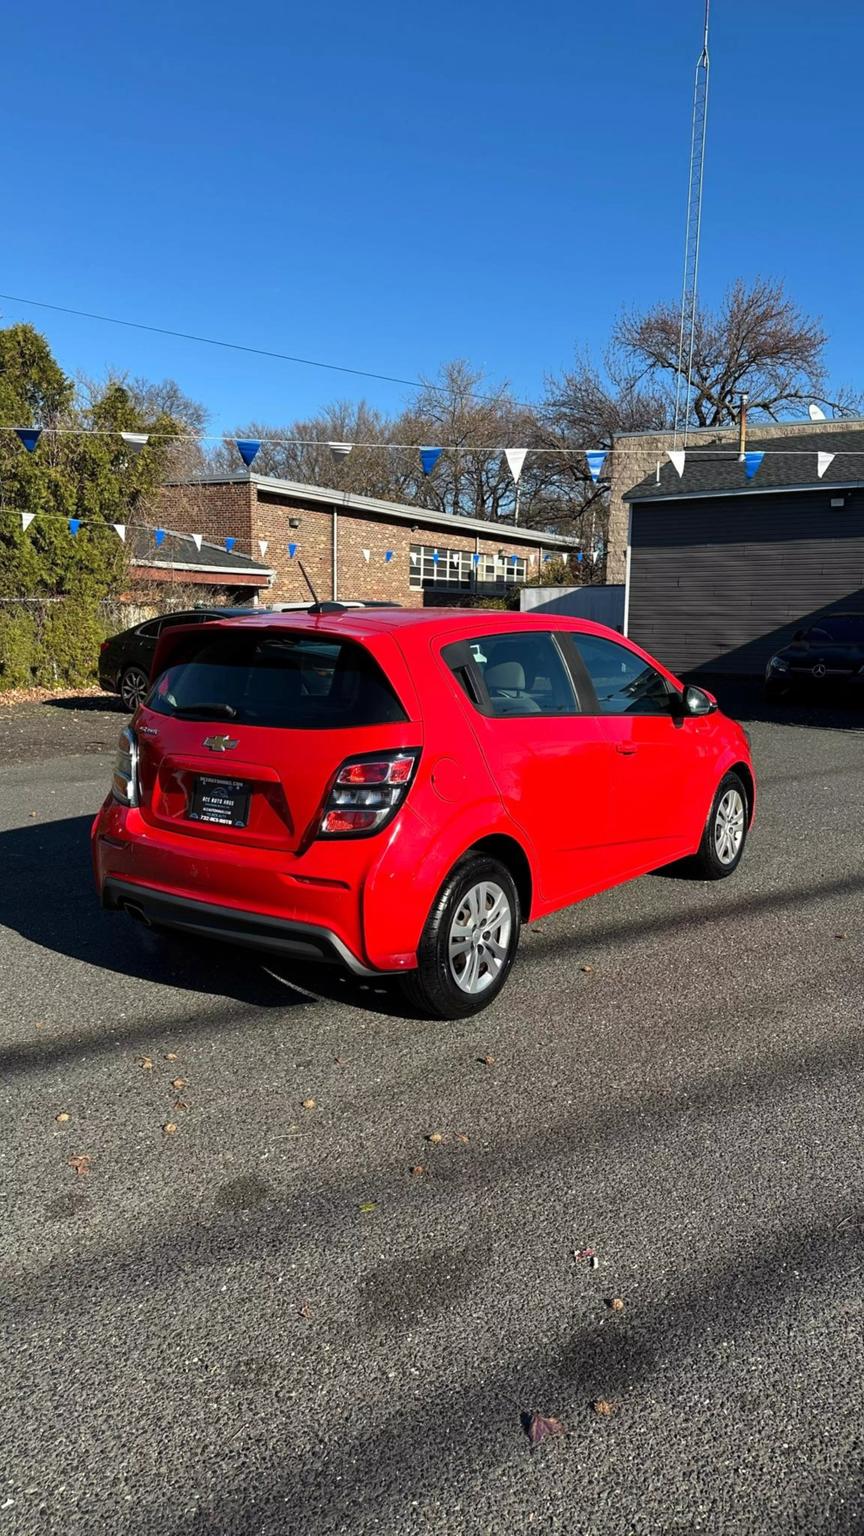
(125, 659)
(828, 654)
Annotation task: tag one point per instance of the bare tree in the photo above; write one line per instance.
(300, 451)
(758, 342)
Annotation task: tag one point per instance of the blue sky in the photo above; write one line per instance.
(388, 188)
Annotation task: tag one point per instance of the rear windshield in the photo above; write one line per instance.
(297, 681)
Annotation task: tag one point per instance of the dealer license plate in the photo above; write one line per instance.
(225, 802)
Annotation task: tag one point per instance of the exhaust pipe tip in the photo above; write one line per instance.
(137, 912)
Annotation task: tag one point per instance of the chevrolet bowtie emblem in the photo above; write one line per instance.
(219, 743)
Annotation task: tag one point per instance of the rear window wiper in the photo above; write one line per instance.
(208, 711)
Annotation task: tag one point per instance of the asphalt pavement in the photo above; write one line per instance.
(265, 1322)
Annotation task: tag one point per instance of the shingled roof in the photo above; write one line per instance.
(180, 552)
(789, 465)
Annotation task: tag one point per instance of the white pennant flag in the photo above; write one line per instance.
(197, 540)
(263, 545)
(822, 462)
(676, 457)
(515, 459)
(120, 530)
(415, 558)
(135, 440)
(26, 520)
(340, 450)
(366, 553)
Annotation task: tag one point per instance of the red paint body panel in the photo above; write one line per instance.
(588, 800)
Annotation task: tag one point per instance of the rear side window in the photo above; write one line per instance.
(841, 631)
(623, 682)
(513, 674)
(296, 681)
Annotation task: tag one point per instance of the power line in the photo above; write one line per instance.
(237, 346)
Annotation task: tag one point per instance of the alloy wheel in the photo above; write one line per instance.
(729, 826)
(479, 940)
(133, 688)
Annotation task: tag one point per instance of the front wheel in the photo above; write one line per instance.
(725, 834)
(133, 688)
(469, 942)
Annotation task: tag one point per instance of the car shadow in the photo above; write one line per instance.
(745, 699)
(49, 897)
(88, 703)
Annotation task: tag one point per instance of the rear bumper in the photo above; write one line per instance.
(254, 930)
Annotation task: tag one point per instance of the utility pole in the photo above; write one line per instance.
(692, 237)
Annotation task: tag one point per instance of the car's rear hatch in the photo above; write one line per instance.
(247, 726)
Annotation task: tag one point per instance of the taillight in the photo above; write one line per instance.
(124, 785)
(367, 792)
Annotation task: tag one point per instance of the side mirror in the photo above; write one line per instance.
(698, 702)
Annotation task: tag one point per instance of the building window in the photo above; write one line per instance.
(435, 565)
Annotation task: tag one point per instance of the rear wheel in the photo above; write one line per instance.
(469, 942)
(133, 688)
(725, 833)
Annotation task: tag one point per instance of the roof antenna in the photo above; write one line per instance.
(308, 582)
(318, 606)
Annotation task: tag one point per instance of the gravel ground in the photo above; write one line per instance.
(208, 1332)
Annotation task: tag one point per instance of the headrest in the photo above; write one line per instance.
(507, 674)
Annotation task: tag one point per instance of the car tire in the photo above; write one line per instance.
(134, 685)
(722, 846)
(474, 916)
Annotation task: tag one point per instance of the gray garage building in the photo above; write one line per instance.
(723, 570)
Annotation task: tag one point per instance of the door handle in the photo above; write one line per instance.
(626, 748)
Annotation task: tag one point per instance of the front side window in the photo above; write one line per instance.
(513, 674)
(296, 681)
(623, 682)
(839, 631)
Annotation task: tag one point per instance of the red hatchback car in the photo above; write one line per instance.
(398, 791)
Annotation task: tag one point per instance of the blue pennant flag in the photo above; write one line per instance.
(580, 557)
(435, 557)
(547, 558)
(595, 457)
(159, 536)
(247, 447)
(475, 559)
(751, 463)
(229, 544)
(29, 436)
(429, 458)
(388, 556)
(292, 550)
(74, 523)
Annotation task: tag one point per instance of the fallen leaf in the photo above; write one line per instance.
(464, 1140)
(604, 1407)
(145, 1063)
(34, 813)
(367, 1206)
(169, 1128)
(587, 969)
(170, 1055)
(583, 1253)
(436, 1138)
(616, 1304)
(177, 1083)
(306, 1310)
(417, 1169)
(62, 1118)
(310, 1104)
(840, 935)
(486, 1061)
(339, 1060)
(40, 1025)
(540, 1425)
(82, 1164)
(180, 1104)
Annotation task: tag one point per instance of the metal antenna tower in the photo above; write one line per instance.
(692, 235)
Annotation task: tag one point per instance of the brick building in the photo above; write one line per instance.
(343, 541)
